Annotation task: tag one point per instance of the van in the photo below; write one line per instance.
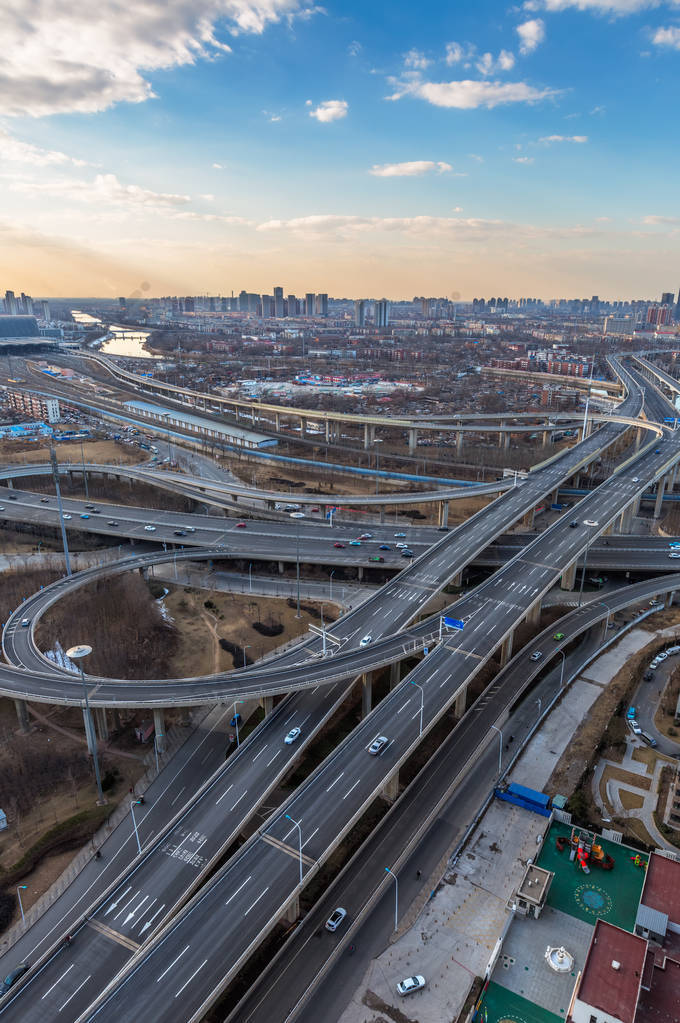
(648, 739)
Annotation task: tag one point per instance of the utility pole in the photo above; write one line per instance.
(55, 476)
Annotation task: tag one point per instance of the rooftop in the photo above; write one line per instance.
(661, 1003)
(612, 973)
(662, 886)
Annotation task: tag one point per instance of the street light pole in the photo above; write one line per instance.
(20, 888)
(133, 804)
(564, 658)
(422, 706)
(297, 825)
(331, 585)
(82, 458)
(396, 896)
(297, 516)
(500, 748)
(235, 716)
(246, 646)
(250, 577)
(76, 653)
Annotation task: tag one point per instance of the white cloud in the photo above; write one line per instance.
(218, 166)
(667, 37)
(531, 34)
(654, 220)
(15, 151)
(329, 110)
(579, 139)
(468, 94)
(615, 7)
(523, 159)
(416, 59)
(354, 48)
(457, 52)
(409, 169)
(63, 57)
(457, 209)
(486, 65)
(105, 188)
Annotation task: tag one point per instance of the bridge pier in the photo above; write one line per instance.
(660, 488)
(10, 484)
(568, 578)
(626, 522)
(457, 579)
(281, 567)
(412, 439)
(395, 674)
(382, 514)
(360, 573)
(102, 723)
(534, 615)
(671, 486)
(459, 442)
(292, 911)
(277, 422)
(22, 714)
(267, 704)
(159, 728)
(443, 513)
(670, 597)
(366, 693)
(369, 436)
(506, 649)
(459, 703)
(528, 519)
(391, 790)
(328, 432)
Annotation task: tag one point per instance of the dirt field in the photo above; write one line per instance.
(664, 718)
(102, 451)
(231, 617)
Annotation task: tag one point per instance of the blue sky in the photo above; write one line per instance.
(359, 149)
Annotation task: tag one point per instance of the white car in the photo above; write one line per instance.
(662, 656)
(590, 522)
(636, 479)
(401, 546)
(366, 640)
(292, 736)
(635, 727)
(66, 515)
(150, 529)
(377, 745)
(674, 554)
(536, 656)
(411, 984)
(335, 919)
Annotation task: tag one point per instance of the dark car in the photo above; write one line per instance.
(180, 532)
(384, 547)
(407, 553)
(12, 497)
(573, 524)
(13, 977)
(44, 500)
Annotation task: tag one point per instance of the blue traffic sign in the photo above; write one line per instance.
(453, 623)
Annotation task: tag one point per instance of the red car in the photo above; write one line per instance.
(240, 525)
(315, 509)
(338, 545)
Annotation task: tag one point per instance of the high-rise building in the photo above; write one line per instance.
(26, 304)
(381, 315)
(267, 305)
(279, 311)
(309, 303)
(321, 305)
(189, 304)
(10, 304)
(292, 305)
(667, 298)
(360, 313)
(224, 304)
(211, 304)
(122, 303)
(44, 309)
(243, 302)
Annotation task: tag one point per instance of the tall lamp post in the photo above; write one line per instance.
(396, 896)
(20, 888)
(133, 804)
(377, 441)
(235, 716)
(297, 516)
(76, 653)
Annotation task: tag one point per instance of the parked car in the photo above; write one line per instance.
(634, 727)
(335, 919)
(630, 713)
(411, 984)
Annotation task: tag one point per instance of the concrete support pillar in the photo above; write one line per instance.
(546, 438)
(267, 704)
(277, 422)
(501, 439)
(528, 519)
(22, 714)
(303, 426)
(366, 693)
(576, 482)
(554, 497)
(328, 432)
(382, 513)
(89, 731)
(391, 790)
(459, 442)
(568, 579)
(159, 728)
(395, 675)
(626, 523)
(292, 911)
(443, 513)
(673, 476)
(412, 439)
(360, 573)
(534, 615)
(369, 436)
(281, 568)
(609, 530)
(102, 723)
(10, 484)
(638, 438)
(457, 579)
(459, 704)
(506, 649)
(660, 488)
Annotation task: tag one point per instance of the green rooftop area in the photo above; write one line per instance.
(499, 1004)
(611, 894)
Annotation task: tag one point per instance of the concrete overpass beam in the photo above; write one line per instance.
(412, 439)
(159, 728)
(391, 790)
(22, 714)
(267, 704)
(366, 693)
(568, 579)
(660, 488)
(459, 704)
(506, 649)
(102, 723)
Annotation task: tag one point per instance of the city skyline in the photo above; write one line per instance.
(504, 150)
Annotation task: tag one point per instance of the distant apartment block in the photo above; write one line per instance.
(35, 406)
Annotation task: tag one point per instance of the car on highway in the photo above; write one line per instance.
(366, 536)
(377, 557)
(12, 977)
(339, 545)
(573, 524)
(314, 509)
(112, 522)
(366, 640)
(401, 546)
(657, 451)
(83, 516)
(67, 516)
(400, 535)
(406, 553)
(590, 522)
(536, 656)
(378, 745)
(89, 507)
(44, 500)
(636, 479)
(189, 529)
(2, 507)
(384, 547)
(12, 497)
(355, 543)
(180, 532)
(240, 525)
(557, 636)
(674, 543)
(411, 984)
(292, 736)
(25, 622)
(335, 919)
(150, 529)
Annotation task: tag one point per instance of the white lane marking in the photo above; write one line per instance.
(75, 993)
(151, 919)
(224, 794)
(352, 789)
(258, 754)
(404, 705)
(191, 978)
(50, 989)
(131, 914)
(128, 903)
(310, 837)
(256, 900)
(178, 795)
(234, 894)
(239, 799)
(114, 904)
(274, 757)
(168, 968)
(335, 782)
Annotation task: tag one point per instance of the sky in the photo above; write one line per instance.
(361, 149)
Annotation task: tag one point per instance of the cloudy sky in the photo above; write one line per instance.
(356, 148)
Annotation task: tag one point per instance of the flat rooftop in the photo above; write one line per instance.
(662, 886)
(612, 974)
(661, 1004)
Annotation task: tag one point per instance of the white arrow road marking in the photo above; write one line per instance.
(151, 919)
(129, 917)
(114, 904)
